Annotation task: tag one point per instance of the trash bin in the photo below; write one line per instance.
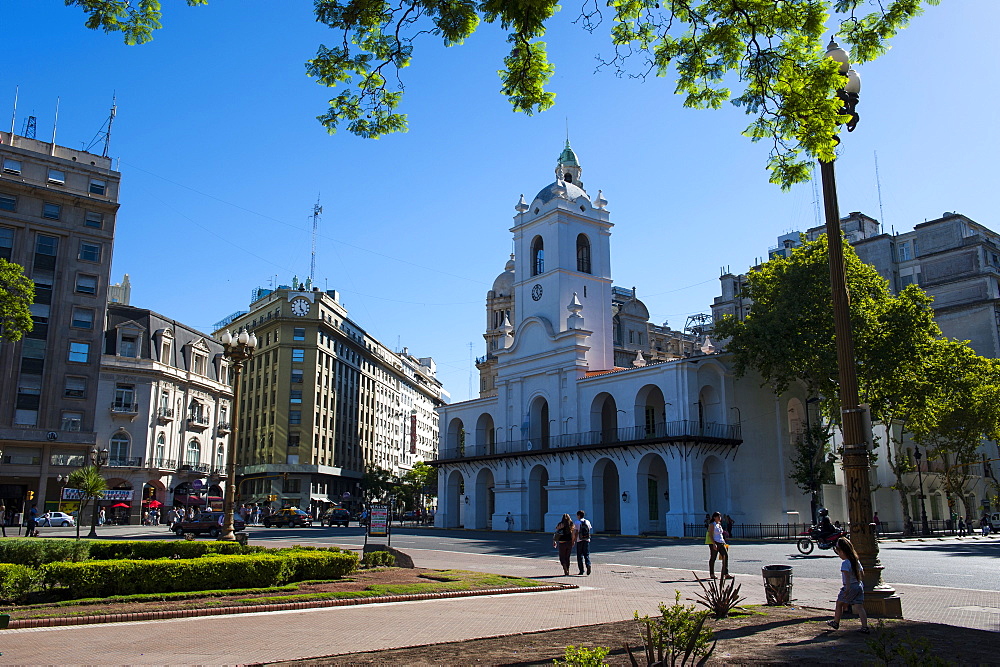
(777, 584)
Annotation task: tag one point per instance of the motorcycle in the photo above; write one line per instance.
(813, 537)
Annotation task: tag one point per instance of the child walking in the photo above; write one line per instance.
(852, 593)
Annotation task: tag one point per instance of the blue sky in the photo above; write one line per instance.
(222, 160)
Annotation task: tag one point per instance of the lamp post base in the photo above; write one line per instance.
(888, 606)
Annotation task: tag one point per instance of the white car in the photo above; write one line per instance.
(57, 519)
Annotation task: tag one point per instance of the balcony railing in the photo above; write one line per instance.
(195, 467)
(223, 427)
(197, 422)
(164, 415)
(630, 435)
(163, 464)
(125, 462)
(121, 408)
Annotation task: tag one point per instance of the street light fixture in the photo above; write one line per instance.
(237, 349)
(881, 597)
(98, 459)
(924, 528)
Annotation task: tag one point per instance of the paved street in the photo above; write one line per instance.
(630, 574)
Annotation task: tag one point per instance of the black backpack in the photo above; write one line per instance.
(584, 530)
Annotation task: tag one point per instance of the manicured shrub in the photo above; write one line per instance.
(379, 559)
(35, 552)
(153, 549)
(16, 581)
(127, 577)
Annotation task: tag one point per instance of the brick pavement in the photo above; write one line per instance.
(612, 593)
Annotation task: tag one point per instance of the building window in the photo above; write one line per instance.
(72, 421)
(220, 458)
(57, 177)
(297, 376)
(11, 166)
(199, 363)
(129, 347)
(298, 355)
(94, 219)
(124, 398)
(299, 333)
(83, 318)
(118, 449)
(583, 253)
(537, 256)
(76, 387)
(6, 243)
(161, 449)
(294, 416)
(903, 250)
(295, 396)
(8, 203)
(47, 246)
(51, 211)
(86, 284)
(89, 252)
(79, 352)
(165, 352)
(25, 417)
(98, 187)
(193, 453)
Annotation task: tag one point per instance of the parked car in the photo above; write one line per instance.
(289, 516)
(335, 516)
(206, 522)
(57, 519)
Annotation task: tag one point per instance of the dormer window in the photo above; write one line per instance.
(129, 346)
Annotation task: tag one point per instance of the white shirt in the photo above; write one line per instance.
(717, 535)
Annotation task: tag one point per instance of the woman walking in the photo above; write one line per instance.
(852, 593)
(717, 546)
(563, 539)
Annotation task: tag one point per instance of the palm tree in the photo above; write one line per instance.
(91, 486)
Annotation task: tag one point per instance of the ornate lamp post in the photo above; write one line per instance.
(98, 459)
(237, 349)
(881, 598)
(924, 528)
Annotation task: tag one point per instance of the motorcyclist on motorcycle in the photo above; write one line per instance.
(826, 529)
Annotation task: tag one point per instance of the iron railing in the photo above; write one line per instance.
(195, 467)
(125, 462)
(118, 407)
(675, 430)
(165, 464)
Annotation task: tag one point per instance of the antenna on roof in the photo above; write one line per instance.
(55, 125)
(30, 127)
(317, 209)
(878, 185)
(13, 114)
(104, 134)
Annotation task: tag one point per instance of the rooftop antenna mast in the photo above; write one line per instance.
(878, 185)
(111, 119)
(317, 209)
(30, 127)
(13, 114)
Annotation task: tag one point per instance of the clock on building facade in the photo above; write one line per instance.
(536, 292)
(300, 307)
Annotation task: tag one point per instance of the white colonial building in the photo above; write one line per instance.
(559, 427)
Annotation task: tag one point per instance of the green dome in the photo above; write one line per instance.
(568, 157)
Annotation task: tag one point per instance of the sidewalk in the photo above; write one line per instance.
(612, 593)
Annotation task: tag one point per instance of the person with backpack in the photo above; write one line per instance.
(563, 539)
(583, 531)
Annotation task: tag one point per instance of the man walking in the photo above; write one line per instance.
(583, 532)
(510, 522)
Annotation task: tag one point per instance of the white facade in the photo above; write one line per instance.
(646, 449)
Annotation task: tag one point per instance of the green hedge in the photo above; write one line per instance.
(153, 549)
(16, 581)
(127, 577)
(35, 552)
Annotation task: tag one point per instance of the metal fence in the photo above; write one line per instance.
(628, 434)
(752, 531)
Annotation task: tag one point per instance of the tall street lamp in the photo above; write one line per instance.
(924, 528)
(881, 598)
(237, 349)
(98, 459)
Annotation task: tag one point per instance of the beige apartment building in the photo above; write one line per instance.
(321, 399)
(57, 220)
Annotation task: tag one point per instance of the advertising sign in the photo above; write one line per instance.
(378, 520)
(109, 494)
(413, 434)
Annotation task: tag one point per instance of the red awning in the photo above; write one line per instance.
(188, 500)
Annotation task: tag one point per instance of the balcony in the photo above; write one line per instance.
(164, 415)
(197, 422)
(123, 409)
(676, 432)
(162, 464)
(223, 428)
(125, 462)
(195, 467)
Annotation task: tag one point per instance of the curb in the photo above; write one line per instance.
(283, 606)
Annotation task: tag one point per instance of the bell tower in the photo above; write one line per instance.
(562, 244)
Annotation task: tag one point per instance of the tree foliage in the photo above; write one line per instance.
(408, 489)
(91, 484)
(773, 52)
(17, 293)
(812, 463)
